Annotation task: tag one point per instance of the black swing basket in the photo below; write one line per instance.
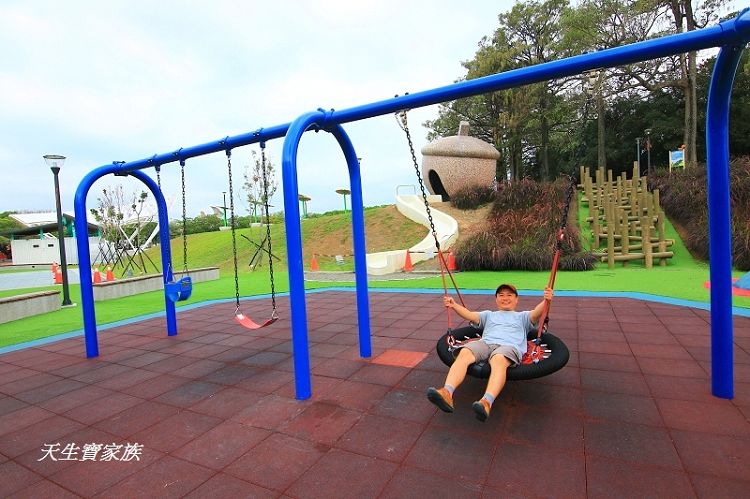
(557, 359)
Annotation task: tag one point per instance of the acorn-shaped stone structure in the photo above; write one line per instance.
(450, 163)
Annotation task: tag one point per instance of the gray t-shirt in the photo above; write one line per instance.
(506, 327)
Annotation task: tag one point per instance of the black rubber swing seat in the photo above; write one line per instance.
(557, 359)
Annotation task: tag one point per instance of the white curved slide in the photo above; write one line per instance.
(412, 207)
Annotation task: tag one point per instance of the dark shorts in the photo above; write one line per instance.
(485, 351)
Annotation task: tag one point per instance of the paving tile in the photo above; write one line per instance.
(28, 383)
(724, 456)
(563, 474)
(269, 411)
(93, 477)
(716, 417)
(645, 445)
(354, 395)
(411, 483)
(136, 418)
(49, 391)
(102, 408)
(614, 382)
(331, 476)
(543, 397)
(381, 375)
(621, 407)
(155, 386)
(25, 416)
(76, 398)
(175, 431)
(405, 405)
(607, 478)
(189, 393)
(381, 437)
(128, 379)
(543, 428)
(221, 445)
(198, 368)
(322, 423)
(420, 379)
(711, 487)
(223, 485)
(437, 448)
(43, 488)
(338, 368)
(672, 367)
(265, 381)
(36, 435)
(230, 374)
(277, 462)
(166, 477)
(15, 478)
(608, 362)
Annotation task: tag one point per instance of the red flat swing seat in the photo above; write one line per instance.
(248, 323)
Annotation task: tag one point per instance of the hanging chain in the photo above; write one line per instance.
(158, 176)
(184, 220)
(403, 123)
(233, 227)
(268, 225)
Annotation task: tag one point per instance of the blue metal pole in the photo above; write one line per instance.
(300, 347)
(358, 238)
(84, 258)
(719, 220)
(165, 246)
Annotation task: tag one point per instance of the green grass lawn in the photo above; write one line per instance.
(682, 278)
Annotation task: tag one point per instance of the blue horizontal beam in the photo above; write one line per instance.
(732, 32)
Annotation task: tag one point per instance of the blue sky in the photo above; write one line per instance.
(124, 80)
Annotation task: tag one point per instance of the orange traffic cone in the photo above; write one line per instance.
(58, 276)
(314, 264)
(110, 274)
(451, 261)
(408, 267)
(97, 275)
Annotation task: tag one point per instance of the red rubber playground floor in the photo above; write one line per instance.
(211, 412)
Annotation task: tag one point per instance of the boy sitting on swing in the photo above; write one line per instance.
(503, 342)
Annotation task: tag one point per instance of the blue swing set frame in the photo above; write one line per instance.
(729, 36)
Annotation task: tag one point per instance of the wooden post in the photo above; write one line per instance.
(625, 242)
(660, 226)
(648, 251)
(610, 246)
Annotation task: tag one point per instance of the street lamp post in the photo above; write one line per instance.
(55, 162)
(648, 150)
(638, 153)
(344, 192)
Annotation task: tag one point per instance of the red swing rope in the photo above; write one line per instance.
(544, 318)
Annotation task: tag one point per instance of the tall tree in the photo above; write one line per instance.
(520, 122)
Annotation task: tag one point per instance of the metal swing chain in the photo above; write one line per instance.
(268, 226)
(184, 220)
(158, 176)
(234, 236)
(402, 122)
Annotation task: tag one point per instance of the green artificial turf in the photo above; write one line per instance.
(682, 278)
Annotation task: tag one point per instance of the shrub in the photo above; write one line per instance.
(472, 197)
(683, 195)
(522, 231)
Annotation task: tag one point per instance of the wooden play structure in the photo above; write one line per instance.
(622, 211)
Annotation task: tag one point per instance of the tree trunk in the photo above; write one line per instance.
(544, 134)
(691, 103)
(601, 134)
